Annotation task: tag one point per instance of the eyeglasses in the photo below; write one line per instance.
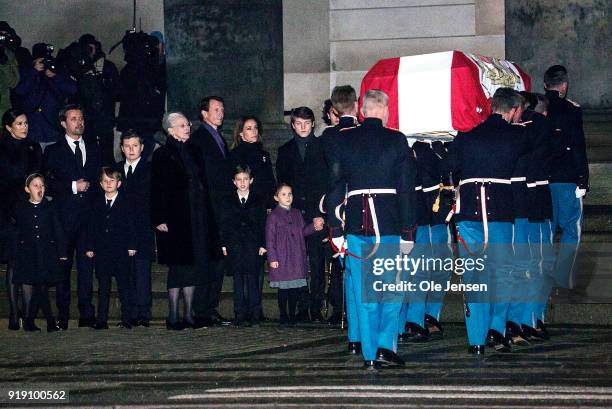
(187, 125)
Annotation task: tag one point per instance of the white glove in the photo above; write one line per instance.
(406, 246)
(340, 244)
(580, 192)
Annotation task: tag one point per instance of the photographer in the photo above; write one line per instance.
(98, 87)
(41, 92)
(143, 89)
(9, 71)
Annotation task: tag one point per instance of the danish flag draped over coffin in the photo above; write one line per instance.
(441, 92)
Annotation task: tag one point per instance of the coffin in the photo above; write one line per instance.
(441, 93)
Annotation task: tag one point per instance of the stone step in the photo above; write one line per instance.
(599, 180)
(597, 218)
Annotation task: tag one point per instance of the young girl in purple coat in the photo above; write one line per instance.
(285, 231)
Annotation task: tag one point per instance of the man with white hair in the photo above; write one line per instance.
(378, 171)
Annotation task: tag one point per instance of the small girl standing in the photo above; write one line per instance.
(40, 250)
(285, 231)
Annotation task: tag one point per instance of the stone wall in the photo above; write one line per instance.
(577, 34)
(362, 31)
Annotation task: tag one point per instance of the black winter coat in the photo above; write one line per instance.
(243, 232)
(18, 159)
(40, 244)
(137, 189)
(178, 198)
(307, 177)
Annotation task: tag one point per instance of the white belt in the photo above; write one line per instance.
(431, 188)
(483, 201)
(538, 183)
(418, 188)
(369, 193)
(485, 180)
(518, 179)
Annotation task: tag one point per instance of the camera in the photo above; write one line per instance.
(7, 39)
(48, 59)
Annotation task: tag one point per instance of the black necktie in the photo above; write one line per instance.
(129, 172)
(243, 200)
(108, 203)
(78, 154)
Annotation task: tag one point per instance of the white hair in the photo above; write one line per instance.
(170, 118)
(375, 97)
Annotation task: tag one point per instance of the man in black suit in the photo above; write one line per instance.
(111, 239)
(136, 187)
(301, 164)
(70, 166)
(218, 174)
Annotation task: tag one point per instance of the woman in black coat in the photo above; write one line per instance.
(247, 150)
(178, 214)
(19, 157)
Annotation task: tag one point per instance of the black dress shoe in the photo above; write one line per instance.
(371, 365)
(174, 326)
(124, 325)
(14, 325)
(62, 325)
(335, 318)
(515, 334)
(100, 325)
(417, 333)
(498, 342)
(203, 322)
(354, 348)
(143, 323)
(87, 322)
(541, 329)
(302, 316)
(387, 357)
(219, 320)
(134, 323)
(434, 327)
(531, 334)
(476, 349)
(52, 325)
(29, 326)
(316, 316)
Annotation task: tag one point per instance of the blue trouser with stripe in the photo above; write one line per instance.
(487, 310)
(440, 241)
(414, 310)
(543, 254)
(377, 313)
(567, 214)
(352, 318)
(521, 273)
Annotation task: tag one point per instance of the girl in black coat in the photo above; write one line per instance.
(40, 249)
(247, 151)
(19, 157)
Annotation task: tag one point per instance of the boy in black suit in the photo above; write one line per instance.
(71, 166)
(112, 240)
(242, 233)
(136, 186)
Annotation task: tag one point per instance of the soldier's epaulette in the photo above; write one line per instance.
(577, 105)
(346, 129)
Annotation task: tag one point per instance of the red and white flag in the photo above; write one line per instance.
(441, 92)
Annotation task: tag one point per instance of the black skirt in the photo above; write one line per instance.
(184, 276)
